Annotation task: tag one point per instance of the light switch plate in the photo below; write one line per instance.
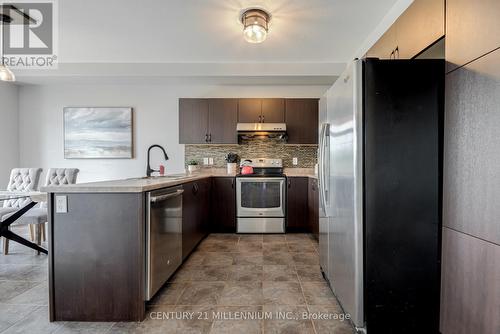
(205, 161)
(210, 161)
(61, 204)
(295, 161)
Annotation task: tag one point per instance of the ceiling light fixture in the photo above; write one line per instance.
(255, 24)
(5, 72)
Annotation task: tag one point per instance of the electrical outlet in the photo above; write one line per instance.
(205, 161)
(295, 161)
(61, 204)
(210, 161)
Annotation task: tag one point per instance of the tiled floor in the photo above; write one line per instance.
(274, 278)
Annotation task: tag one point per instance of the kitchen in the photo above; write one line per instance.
(288, 168)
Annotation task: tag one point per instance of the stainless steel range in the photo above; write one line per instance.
(260, 197)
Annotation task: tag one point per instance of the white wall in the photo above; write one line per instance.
(9, 134)
(155, 121)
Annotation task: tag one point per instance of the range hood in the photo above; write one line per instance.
(270, 130)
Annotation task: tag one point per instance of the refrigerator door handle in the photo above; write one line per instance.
(324, 165)
(320, 167)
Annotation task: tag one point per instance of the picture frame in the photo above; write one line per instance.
(98, 132)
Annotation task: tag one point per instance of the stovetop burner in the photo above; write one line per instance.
(263, 174)
(263, 167)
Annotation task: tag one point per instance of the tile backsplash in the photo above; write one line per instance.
(255, 148)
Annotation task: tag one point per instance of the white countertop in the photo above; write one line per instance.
(298, 172)
(137, 185)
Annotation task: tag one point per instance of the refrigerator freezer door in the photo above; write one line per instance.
(346, 182)
(402, 173)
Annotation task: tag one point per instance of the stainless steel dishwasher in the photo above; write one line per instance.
(163, 236)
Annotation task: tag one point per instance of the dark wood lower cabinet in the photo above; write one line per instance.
(96, 258)
(97, 268)
(297, 210)
(195, 214)
(313, 205)
(223, 205)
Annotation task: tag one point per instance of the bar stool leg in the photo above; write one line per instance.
(5, 246)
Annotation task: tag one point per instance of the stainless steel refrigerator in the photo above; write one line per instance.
(380, 162)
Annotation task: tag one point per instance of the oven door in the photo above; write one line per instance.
(260, 196)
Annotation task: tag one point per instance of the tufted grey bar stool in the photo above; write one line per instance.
(21, 179)
(37, 217)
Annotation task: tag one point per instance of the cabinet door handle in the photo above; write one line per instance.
(210, 137)
(195, 188)
(260, 118)
(232, 184)
(392, 55)
(263, 119)
(396, 51)
(289, 183)
(206, 137)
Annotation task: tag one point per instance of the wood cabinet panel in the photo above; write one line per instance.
(472, 149)
(470, 285)
(195, 213)
(193, 121)
(301, 116)
(472, 30)
(223, 205)
(96, 253)
(421, 24)
(418, 27)
(189, 218)
(297, 210)
(385, 45)
(313, 206)
(222, 120)
(249, 110)
(273, 110)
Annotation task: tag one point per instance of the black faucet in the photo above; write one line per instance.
(149, 170)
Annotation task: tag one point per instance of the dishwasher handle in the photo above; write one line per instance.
(156, 199)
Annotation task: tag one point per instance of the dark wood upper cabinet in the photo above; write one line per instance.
(222, 120)
(213, 121)
(223, 205)
(297, 211)
(193, 121)
(471, 30)
(261, 110)
(206, 121)
(273, 110)
(249, 110)
(301, 117)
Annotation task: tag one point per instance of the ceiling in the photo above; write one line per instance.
(124, 39)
